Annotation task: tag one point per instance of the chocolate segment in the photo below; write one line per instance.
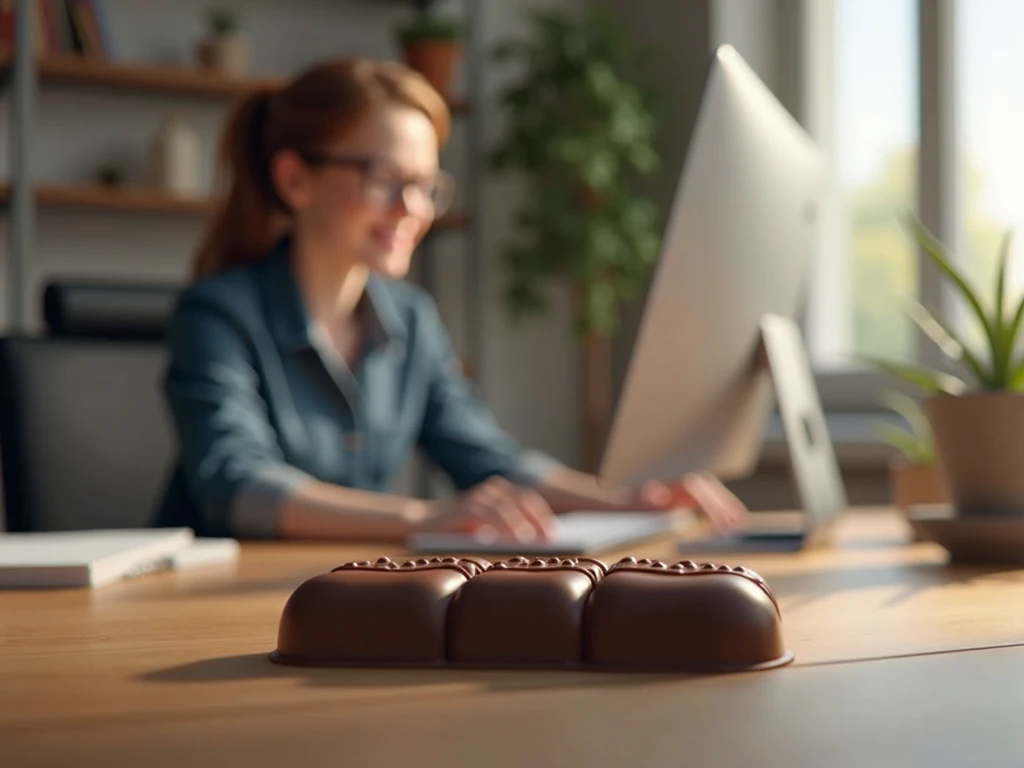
(379, 612)
(646, 614)
(525, 612)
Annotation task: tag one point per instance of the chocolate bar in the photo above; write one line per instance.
(565, 613)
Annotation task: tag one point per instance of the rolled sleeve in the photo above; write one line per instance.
(257, 502)
(230, 456)
(532, 466)
(459, 432)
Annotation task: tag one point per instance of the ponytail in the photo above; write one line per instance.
(249, 220)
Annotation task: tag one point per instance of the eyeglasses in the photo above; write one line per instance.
(384, 187)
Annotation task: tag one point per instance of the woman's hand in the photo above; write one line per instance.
(702, 492)
(495, 508)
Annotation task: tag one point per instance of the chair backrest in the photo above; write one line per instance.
(86, 441)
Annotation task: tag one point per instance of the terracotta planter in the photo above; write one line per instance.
(979, 442)
(435, 60)
(914, 484)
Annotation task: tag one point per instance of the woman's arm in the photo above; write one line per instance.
(319, 510)
(566, 490)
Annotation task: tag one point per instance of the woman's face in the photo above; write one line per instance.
(369, 197)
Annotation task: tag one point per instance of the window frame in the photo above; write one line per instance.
(938, 187)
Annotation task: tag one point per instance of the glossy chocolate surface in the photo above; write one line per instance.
(376, 612)
(523, 611)
(685, 615)
(570, 613)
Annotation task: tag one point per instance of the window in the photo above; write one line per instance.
(990, 151)
(868, 265)
(912, 101)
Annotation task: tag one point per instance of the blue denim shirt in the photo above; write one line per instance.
(261, 405)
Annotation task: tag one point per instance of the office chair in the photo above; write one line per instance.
(85, 440)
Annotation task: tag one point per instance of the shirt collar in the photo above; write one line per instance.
(290, 322)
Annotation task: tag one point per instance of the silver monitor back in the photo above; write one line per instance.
(737, 248)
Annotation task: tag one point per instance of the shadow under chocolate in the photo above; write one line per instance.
(258, 666)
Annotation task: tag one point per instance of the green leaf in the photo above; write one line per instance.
(644, 159)
(905, 442)
(1004, 253)
(1010, 331)
(1015, 380)
(910, 409)
(599, 171)
(1004, 347)
(926, 379)
(935, 251)
(947, 341)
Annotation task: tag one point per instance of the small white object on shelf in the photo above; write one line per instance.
(176, 162)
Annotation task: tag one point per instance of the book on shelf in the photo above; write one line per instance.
(62, 28)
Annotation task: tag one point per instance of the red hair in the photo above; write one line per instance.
(321, 104)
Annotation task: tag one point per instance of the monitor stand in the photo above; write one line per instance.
(814, 469)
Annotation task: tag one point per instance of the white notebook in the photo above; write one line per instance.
(95, 558)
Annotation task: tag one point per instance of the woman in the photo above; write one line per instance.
(304, 371)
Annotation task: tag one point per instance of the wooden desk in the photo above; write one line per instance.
(172, 668)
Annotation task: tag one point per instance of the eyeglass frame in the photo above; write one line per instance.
(366, 164)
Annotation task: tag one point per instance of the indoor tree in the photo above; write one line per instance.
(581, 130)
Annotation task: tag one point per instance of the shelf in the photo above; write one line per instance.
(78, 70)
(125, 198)
(147, 200)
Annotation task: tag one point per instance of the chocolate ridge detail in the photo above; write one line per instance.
(594, 569)
(692, 568)
(467, 566)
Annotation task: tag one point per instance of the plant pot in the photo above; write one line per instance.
(435, 60)
(914, 484)
(228, 54)
(980, 451)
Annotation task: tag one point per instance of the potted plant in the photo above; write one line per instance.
(914, 477)
(430, 44)
(976, 413)
(581, 132)
(224, 50)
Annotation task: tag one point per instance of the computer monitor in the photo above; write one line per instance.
(719, 333)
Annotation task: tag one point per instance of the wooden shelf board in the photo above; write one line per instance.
(143, 199)
(79, 70)
(140, 199)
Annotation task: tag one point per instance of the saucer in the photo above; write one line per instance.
(970, 539)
